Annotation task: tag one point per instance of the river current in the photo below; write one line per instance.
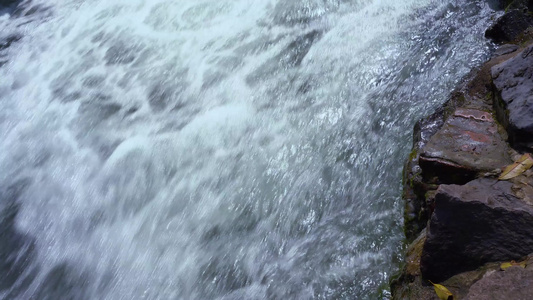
(216, 149)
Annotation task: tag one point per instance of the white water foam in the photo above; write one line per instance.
(243, 149)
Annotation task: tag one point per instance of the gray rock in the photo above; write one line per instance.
(505, 49)
(509, 26)
(480, 222)
(513, 283)
(513, 85)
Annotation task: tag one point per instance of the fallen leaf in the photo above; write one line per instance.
(523, 164)
(505, 265)
(442, 292)
(512, 263)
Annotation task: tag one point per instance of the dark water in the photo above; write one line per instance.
(229, 149)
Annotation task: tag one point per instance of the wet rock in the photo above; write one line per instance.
(513, 283)
(480, 222)
(509, 26)
(410, 284)
(471, 101)
(514, 97)
(505, 49)
(414, 187)
(474, 227)
(468, 143)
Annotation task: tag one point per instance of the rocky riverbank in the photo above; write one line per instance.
(460, 220)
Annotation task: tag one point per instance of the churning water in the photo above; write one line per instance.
(216, 149)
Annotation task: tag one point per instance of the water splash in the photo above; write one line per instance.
(243, 149)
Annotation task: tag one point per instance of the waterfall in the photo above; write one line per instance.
(216, 149)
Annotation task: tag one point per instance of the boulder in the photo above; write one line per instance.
(483, 221)
(513, 87)
(469, 142)
(509, 26)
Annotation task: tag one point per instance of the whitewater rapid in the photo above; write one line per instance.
(216, 149)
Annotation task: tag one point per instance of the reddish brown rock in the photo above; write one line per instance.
(469, 142)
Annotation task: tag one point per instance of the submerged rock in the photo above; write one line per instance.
(480, 222)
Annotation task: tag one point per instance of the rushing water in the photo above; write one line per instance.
(216, 149)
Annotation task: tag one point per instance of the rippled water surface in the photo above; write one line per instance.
(216, 149)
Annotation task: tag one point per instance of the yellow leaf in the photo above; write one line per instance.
(523, 164)
(506, 265)
(442, 292)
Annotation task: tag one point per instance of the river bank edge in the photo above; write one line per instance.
(460, 221)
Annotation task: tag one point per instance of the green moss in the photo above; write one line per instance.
(508, 7)
(489, 96)
(413, 155)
